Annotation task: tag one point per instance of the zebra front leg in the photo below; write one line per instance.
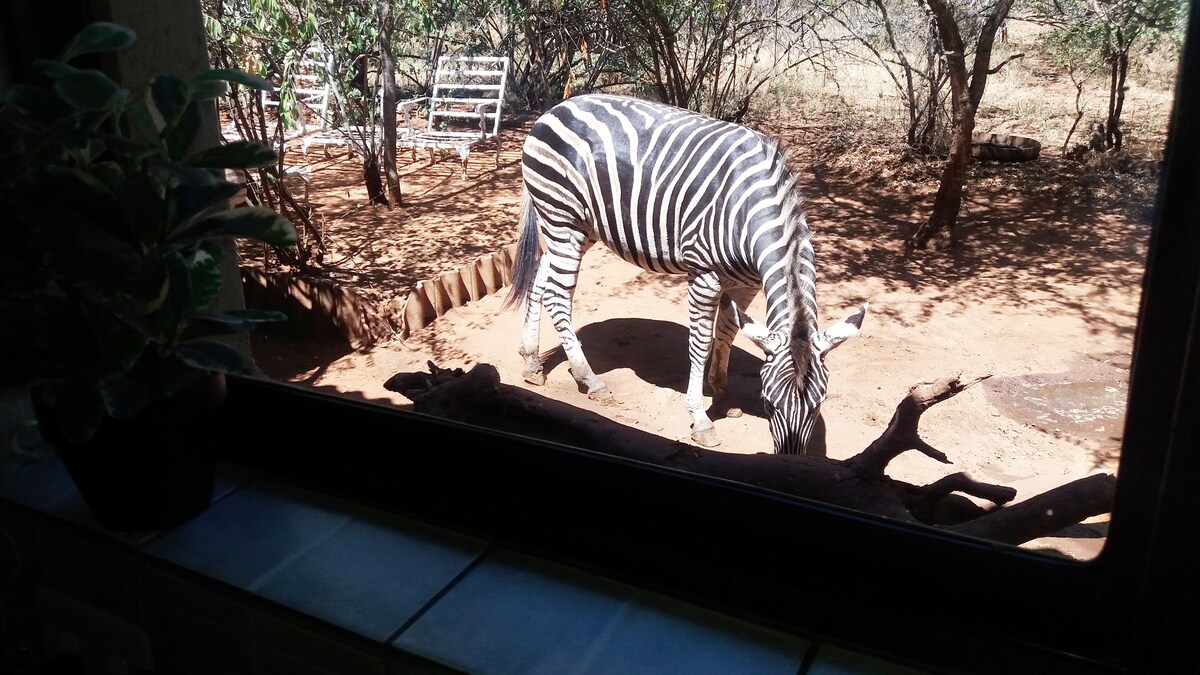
(726, 328)
(704, 292)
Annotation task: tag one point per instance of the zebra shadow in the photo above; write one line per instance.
(656, 351)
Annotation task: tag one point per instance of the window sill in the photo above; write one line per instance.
(277, 578)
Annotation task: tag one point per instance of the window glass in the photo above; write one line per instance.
(1025, 288)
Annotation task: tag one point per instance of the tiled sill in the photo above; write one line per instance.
(273, 578)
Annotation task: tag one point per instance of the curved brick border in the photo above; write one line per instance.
(434, 297)
(321, 308)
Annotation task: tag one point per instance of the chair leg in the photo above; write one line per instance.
(464, 151)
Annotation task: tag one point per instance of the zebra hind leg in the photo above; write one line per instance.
(556, 296)
(533, 373)
(581, 370)
(530, 325)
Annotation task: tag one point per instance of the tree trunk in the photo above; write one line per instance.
(948, 201)
(387, 82)
(965, 96)
(927, 136)
(372, 180)
(1116, 94)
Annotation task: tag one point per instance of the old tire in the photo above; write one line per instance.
(1004, 148)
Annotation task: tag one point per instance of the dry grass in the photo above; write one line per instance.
(852, 120)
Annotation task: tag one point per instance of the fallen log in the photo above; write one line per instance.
(859, 482)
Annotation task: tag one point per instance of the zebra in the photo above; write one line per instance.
(677, 192)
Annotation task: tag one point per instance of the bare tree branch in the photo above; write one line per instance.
(478, 397)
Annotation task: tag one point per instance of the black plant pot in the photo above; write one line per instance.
(152, 471)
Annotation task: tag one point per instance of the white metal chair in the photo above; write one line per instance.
(464, 107)
(321, 98)
(312, 89)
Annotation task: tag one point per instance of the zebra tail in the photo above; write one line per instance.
(528, 254)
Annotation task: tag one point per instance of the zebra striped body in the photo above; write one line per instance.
(675, 192)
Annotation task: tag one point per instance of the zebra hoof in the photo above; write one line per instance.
(706, 437)
(603, 394)
(733, 412)
(537, 377)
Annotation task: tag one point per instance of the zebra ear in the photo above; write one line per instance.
(767, 341)
(770, 343)
(841, 331)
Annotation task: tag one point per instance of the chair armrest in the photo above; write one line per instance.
(406, 104)
(404, 108)
(479, 108)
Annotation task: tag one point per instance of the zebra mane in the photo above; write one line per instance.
(802, 309)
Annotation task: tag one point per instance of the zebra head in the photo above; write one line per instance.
(795, 380)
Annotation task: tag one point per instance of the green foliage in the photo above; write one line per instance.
(711, 56)
(1087, 37)
(1091, 33)
(110, 252)
(271, 37)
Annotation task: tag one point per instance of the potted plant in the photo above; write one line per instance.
(110, 264)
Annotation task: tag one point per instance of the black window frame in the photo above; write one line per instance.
(947, 601)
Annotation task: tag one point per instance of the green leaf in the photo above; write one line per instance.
(76, 409)
(256, 222)
(203, 90)
(42, 107)
(133, 150)
(54, 69)
(142, 124)
(236, 76)
(193, 199)
(118, 350)
(109, 174)
(245, 316)
(90, 90)
(178, 304)
(84, 246)
(187, 175)
(170, 99)
(232, 322)
(99, 37)
(210, 355)
(83, 187)
(235, 155)
(204, 270)
(165, 99)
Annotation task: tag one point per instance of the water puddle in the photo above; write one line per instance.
(1088, 403)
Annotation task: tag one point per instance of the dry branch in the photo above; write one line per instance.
(478, 397)
(901, 433)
